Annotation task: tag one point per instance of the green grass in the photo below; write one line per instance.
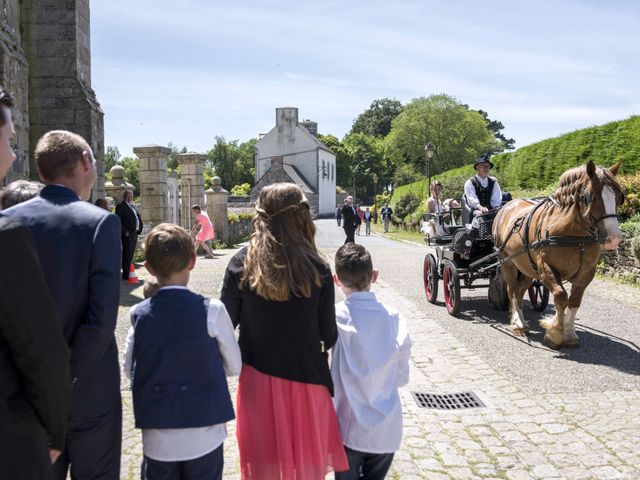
(397, 234)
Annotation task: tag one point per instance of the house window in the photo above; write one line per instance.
(332, 173)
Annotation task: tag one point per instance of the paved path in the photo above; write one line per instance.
(536, 425)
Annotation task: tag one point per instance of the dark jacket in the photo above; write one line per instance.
(283, 339)
(178, 377)
(128, 218)
(78, 246)
(34, 358)
(349, 217)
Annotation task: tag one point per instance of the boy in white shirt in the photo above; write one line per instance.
(177, 353)
(369, 363)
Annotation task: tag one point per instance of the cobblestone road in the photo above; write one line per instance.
(519, 434)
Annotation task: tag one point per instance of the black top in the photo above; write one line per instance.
(483, 193)
(34, 358)
(283, 339)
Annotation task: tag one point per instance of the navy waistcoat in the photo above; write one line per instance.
(483, 194)
(178, 375)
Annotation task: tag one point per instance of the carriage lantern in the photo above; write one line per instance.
(429, 152)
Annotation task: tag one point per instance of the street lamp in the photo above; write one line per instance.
(429, 152)
(375, 189)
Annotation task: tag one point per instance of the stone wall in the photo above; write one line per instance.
(45, 63)
(621, 264)
(240, 230)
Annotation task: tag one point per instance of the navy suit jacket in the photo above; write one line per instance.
(78, 245)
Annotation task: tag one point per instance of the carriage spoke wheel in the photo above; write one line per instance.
(538, 296)
(430, 277)
(451, 282)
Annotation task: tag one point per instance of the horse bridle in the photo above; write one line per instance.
(594, 222)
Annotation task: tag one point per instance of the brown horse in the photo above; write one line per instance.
(559, 240)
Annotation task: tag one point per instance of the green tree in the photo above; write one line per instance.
(233, 162)
(460, 134)
(132, 172)
(245, 163)
(343, 168)
(376, 120)
(364, 155)
(111, 156)
(241, 190)
(172, 159)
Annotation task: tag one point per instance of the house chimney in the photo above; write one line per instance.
(286, 120)
(311, 126)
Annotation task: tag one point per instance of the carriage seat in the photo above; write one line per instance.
(467, 211)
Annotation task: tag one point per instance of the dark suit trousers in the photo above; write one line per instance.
(128, 249)
(349, 231)
(93, 447)
(24, 454)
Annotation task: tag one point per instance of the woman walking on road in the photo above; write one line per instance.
(280, 292)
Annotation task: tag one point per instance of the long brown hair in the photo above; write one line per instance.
(282, 258)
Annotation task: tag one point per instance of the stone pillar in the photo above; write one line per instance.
(56, 38)
(217, 199)
(153, 184)
(191, 184)
(118, 184)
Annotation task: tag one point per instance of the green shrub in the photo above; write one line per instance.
(630, 229)
(241, 190)
(233, 218)
(246, 216)
(406, 206)
(631, 187)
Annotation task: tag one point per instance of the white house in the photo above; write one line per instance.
(291, 152)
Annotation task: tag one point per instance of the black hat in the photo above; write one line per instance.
(482, 159)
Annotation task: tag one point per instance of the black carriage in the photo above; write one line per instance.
(466, 256)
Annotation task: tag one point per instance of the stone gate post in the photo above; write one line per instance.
(217, 200)
(153, 184)
(192, 184)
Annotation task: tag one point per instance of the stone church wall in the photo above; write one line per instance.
(46, 65)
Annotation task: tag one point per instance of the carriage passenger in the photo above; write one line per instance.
(438, 208)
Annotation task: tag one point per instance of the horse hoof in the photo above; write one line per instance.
(519, 332)
(572, 343)
(551, 343)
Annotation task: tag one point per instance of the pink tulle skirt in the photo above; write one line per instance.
(286, 430)
(206, 228)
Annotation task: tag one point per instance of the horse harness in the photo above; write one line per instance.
(550, 240)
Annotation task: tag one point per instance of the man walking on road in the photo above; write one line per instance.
(131, 228)
(386, 213)
(349, 219)
(77, 244)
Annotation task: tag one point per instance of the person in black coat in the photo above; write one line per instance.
(35, 384)
(349, 219)
(131, 228)
(78, 248)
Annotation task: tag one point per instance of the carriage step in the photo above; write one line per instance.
(449, 401)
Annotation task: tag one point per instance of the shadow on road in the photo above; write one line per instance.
(597, 347)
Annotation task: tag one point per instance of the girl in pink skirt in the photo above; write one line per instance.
(279, 291)
(206, 232)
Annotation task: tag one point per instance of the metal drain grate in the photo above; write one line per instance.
(449, 401)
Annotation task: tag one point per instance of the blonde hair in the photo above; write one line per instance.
(282, 259)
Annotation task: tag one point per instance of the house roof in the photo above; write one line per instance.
(298, 178)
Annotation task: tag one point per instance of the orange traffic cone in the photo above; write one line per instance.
(133, 278)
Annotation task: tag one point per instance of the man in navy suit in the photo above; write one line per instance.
(78, 245)
(34, 357)
(131, 228)
(349, 219)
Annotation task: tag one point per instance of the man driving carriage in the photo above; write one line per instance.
(482, 191)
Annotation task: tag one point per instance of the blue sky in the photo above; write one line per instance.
(185, 71)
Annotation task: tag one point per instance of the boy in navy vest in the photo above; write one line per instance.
(177, 353)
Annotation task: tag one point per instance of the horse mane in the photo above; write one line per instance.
(572, 183)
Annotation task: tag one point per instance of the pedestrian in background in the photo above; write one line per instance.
(369, 363)
(367, 221)
(339, 214)
(205, 230)
(34, 358)
(386, 213)
(349, 219)
(279, 291)
(79, 249)
(178, 351)
(131, 227)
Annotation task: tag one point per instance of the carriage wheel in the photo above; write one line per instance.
(538, 296)
(430, 276)
(451, 282)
